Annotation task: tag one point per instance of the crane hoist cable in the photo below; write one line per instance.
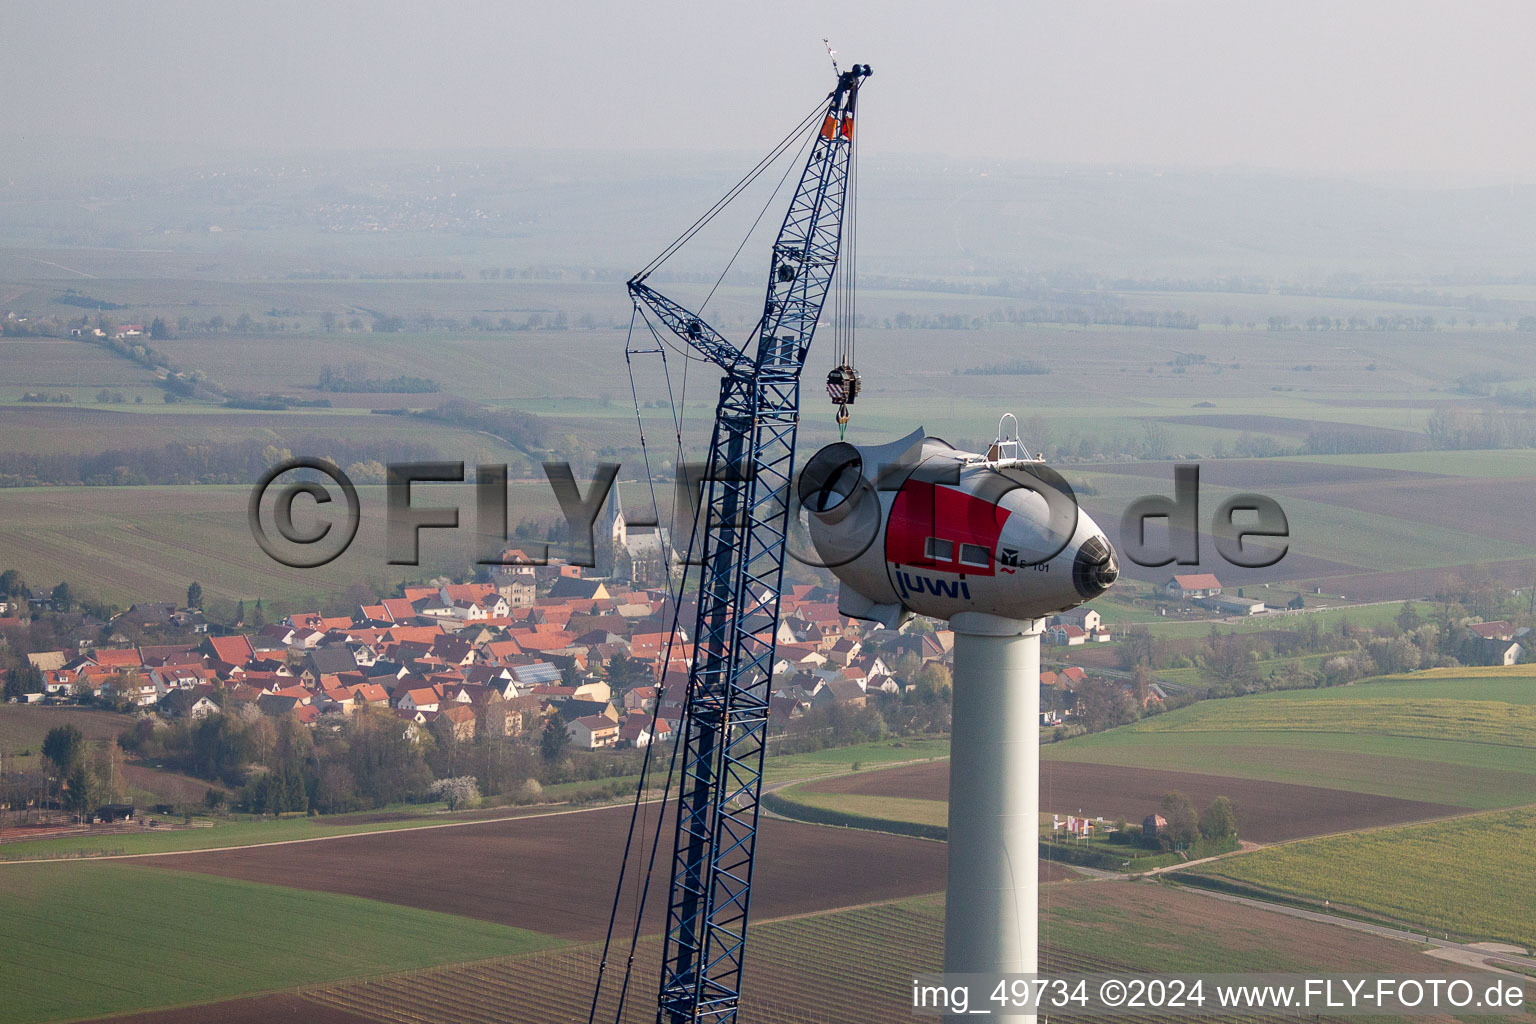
(843, 382)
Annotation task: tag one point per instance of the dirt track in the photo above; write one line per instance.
(1268, 811)
(556, 874)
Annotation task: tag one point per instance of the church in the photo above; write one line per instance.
(640, 555)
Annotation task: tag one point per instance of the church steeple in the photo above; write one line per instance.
(613, 517)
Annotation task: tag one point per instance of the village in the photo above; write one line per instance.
(534, 643)
(565, 657)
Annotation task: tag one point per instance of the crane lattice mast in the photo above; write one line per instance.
(744, 530)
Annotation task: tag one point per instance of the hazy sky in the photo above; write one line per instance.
(1433, 92)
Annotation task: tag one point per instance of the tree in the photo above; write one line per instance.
(1229, 659)
(1183, 821)
(1408, 619)
(1141, 683)
(258, 616)
(62, 597)
(10, 583)
(457, 792)
(554, 741)
(25, 678)
(195, 595)
(1137, 647)
(934, 678)
(1219, 820)
(111, 779)
(79, 785)
(1101, 704)
(240, 613)
(158, 331)
(64, 746)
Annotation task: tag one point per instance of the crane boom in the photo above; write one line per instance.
(744, 531)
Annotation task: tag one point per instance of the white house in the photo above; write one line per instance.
(591, 732)
(1066, 636)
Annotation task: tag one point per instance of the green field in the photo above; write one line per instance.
(833, 760)
(127, 544)
(1472, 877)
(1511, 464)
(81, 940)
(1465, 737)
(889, 808)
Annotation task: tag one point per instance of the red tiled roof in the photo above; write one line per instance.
(126, 657)
(235, 650)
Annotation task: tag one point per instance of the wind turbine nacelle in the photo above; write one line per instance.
(918, 527)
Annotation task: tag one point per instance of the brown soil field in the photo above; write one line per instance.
(1051, 871)
(555, 874)
(1268, 812)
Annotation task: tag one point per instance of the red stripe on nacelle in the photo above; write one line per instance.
(923, 510)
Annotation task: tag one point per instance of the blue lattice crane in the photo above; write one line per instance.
(745, 509)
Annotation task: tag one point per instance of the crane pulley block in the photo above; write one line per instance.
(843, 385)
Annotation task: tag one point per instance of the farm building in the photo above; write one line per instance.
(1497, 630)
(1236, 605)
(1152, 824)
(1193, 586)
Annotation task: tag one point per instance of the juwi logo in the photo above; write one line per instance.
(912, 583)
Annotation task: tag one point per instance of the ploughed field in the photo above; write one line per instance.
(555, 874)
(1267, 811)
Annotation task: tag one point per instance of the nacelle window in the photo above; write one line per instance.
(975, 554)
(939, 550)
